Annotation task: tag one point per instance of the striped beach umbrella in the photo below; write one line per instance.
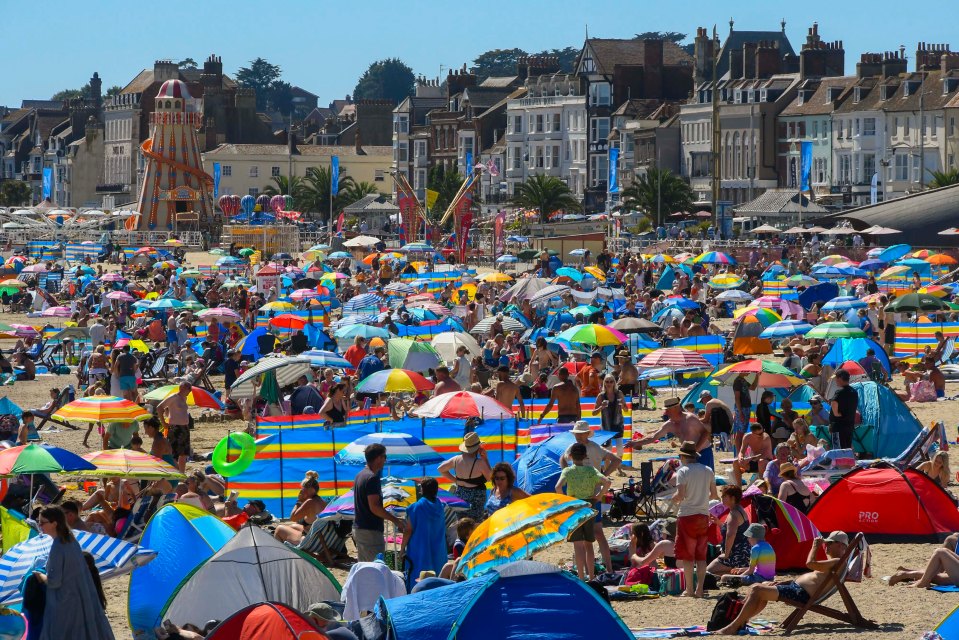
(319, 359)
(120, 296)
(113, 557)
(937, 290)
(113, 276)
(394, 381)
(786, 329)
(277, 305)
(304, 294)
(844, 303)
(125, 463)
(833, 330)
(594, 334)
(401, 289)
(398, 496)
(57, 312)
(772, 375)
(219, 314)
(734, 295)
(725, 281)
(198, 397)
(764, 316)
(39, 458)
(166, 303)
(714, 257)
(363, 302)
(401, 449)
(801, 280)
(461, 405)
(102, 409)
(674, 358)
(350, 332)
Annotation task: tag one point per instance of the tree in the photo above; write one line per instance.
(498, 62)
(114, 90)
(446, 184)
(943, 179)
(546, 194)
(389, 79)
(187, 63)
(283, 186)
(15, 193)
(259, 76)
(316, 192)
(567, 57)
(658, 193)
(357, 190)
(280, 97)
(69, 94)
(670, 36)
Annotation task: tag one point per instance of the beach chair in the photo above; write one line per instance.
(851, 567)
(156, 371)
(324, 542)
(203, 381)
(48, 356)
(653, 489)
(65, 396)
(140, 514)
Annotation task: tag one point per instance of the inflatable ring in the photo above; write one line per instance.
(247, 446)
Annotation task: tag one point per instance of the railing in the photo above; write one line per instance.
(20, 237)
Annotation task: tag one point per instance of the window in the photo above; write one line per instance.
(895, 127)
(538, 162)
(839, 129)
(254, 192)
(401, 152)
(845, 168)
(556, 155)
(549, 157)
(531, 125)
(952, 126)
(419, 179)
(868, 166)
(815, 128)
(378, 175)
(902, 167)
(599, 170)
(517, 124)
(254, 172)
(868, 126)
(275, 172)
(557, 125)
(401, 124)
(599, 93)
(598, 129)
(419, 150)
(539, 123)
(857, 127)
(226, 170)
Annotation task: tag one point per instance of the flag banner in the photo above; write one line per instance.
(340, 222)
(874, 189)
(499, 228)
(806, 166)
(493, 167)
(468, 167)
(465, 214)
(431, 197)
(334, 175)
(217, 172)
(47, 182)
(613, 166)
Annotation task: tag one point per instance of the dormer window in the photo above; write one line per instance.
(801, 97)
(832, 94)
(949, 85)
(885, 91)
(763, 95)
(856, 94)
(906, 89)
(738, 97)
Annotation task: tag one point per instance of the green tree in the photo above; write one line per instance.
(657, 193)
(114, 90)
(567, 57)
(187, 63)
(280, 97)
(547, 194)
(316, 192)
(283, 186)
(357, 190)
(14, 193)
(670, 36)
(69, 94)
(943, 178)
(260, 75)
(497, 62)
(446, 184)
(388, 79)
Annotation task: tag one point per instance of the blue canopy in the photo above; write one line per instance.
(9, 407)
(537, 470)
(888, 426)
(522, 600)
(855, 349)
(818, 293)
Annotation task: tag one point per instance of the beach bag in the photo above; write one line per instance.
(671, 581)
(643, 575)
(922, 391)
(727, 608)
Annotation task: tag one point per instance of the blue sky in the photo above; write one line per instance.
(325, 46)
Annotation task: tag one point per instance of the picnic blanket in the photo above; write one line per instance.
(756, 627)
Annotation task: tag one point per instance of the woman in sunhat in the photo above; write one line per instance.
(469, 472)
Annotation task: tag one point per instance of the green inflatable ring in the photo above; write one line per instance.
(247, 446)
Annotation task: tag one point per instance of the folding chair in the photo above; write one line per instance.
(62, 399)
(850, 567)
(323, 541)
(48, 357)
(653, 490)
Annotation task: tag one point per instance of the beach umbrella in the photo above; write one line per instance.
(285, 369)
(524, 288)
(288, 321)
(305, 294)
(198, 396)
(398, 496)
(362, 302)
(896, 271)
(359, 241)
(461, 405)
(785, 308)
(246, 252)
(801, 280)
(24, 331)
(844, 303)
(448, 342)
(913, 302)
(334, 275)
(429, 305)
(219, 314)
(412, 354)
(357, 318)
(674, 358)
(101, 409)
(230, 261)
(40, 458)
(166, 264)
(893, 253)
(660, 258)
(871, 264)
(165, 303)
(668, 314)
(509, 324)
(520, 529)
(496, 276)
(833, 330)
(394, 381)
(831, 260)
(596, 272)
(125, 463)
(401, 449)
(941, 259)
(594, 334)
(569, 272)
(120, 296)
(278, 305)
(416, 247)
(400, 288)
(734, 295)
(507, 258)
(582, 310)
(14, 283)
(113, 557)
(634, 325)
(350, 332)
(725, 281)
(57, 312)
(340, 255)
(785, 329)
(762, 315)
(714, 257)
(40, 268)
(940, 291)
(320, 359)
(545, 294)
(771, 375)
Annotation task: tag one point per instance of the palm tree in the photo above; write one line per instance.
(355, 191)
(316, 192)
(656, 192)
(283, 186)
(943, 179)
(546, 194)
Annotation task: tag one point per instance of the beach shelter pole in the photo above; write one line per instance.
(280, 441)
(336, 479)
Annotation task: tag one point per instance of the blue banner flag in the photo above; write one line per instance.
(613, 163)
(334, 175)
(216, 180)
(469, 167)
(47, 182)
(806, 165)
(874, 189)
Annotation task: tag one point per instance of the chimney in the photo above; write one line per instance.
(870, 64)
(653, 68)
(749, 60)
(820, 59)
(96, 91)
(768, 62)
(929, 56)
(358, 143)
(949, 61)
(735, 65)
(703, 53)
(893, 63)
(164, 70)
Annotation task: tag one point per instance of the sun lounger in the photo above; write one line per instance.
(850, 568)
(61, 400)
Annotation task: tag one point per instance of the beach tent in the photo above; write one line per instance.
(887, 427)
(948, 629)
(724, 392)
(252, 567)
(266, 621)
(537, 469)
(855, 349)
(183, 537)
(884, 501)
(788, 531)
(519, 601)
(818, 294)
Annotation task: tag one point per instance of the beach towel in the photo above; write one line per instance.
(756, 627)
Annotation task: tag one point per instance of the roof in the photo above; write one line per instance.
(15, 115)
(818, 103)
(500, 81)
(920, 216)
(638, 108)
(485, 97)
(372, 203)
(140, 83)
(304, 149)
(610, 53)
(775, 202)
(41, 104)
(736, 39)
(517, 93)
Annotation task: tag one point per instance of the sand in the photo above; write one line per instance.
(901, 612)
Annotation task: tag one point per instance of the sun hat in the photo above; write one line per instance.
(323, 611)
(837, 536)
(671, 402)
(786, 467)
(471, 442)
(581, 426)
(688, 449)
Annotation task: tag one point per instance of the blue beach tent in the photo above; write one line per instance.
(855, 349)
(888, 426)
(537, 470)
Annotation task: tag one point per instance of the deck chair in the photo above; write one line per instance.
(948, 352)
(62, 399)
(48, 356)
(203, 380)
(850, 567)
(142, 510)
(918, 451)
(156, 372)
(324, 541)
(652, 488)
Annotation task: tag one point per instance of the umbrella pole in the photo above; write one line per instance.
(280, 438)
(336, 480)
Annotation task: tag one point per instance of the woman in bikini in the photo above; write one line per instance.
(115, 499)
(336, 408)
(469, 472)
(308, 506)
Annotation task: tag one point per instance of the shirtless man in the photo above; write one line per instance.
(715, 419)
(507, 391)
(174, 413)
(628, 375)
(444, 383)
(935, 377)
(799, 590)
(685, 426)
(761, 445)
(566, 396)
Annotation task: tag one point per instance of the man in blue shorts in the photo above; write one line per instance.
(125, 368)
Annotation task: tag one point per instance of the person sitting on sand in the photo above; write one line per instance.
(308, 506)
(760, 447)
(735, 549)
(798, 590)
(937, 468)
(644, 551)
(942, 569)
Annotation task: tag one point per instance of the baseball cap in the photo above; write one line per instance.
(756, 531)
(837, 536)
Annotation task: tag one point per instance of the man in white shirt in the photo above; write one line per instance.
(695, 486)
(97, 332)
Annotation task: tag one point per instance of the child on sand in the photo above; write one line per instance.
(583, 482)
(762, 560)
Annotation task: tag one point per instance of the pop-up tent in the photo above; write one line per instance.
(788, 531)
(266, 621)
(252, 567)
(845, 349)
(948, 629)
(519, 601)
(884, 501)
(888, 425)
(537, 470)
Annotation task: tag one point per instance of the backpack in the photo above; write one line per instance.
(727, 608)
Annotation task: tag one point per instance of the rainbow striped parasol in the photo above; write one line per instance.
(102, 409)
(595, 334)
(198, 397)
(394, 381)
(124, 463)
(714, 257)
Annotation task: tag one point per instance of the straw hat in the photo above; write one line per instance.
(671, 402)
(581, 426)
(786, 467)
(688, 449)
(471, 442)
